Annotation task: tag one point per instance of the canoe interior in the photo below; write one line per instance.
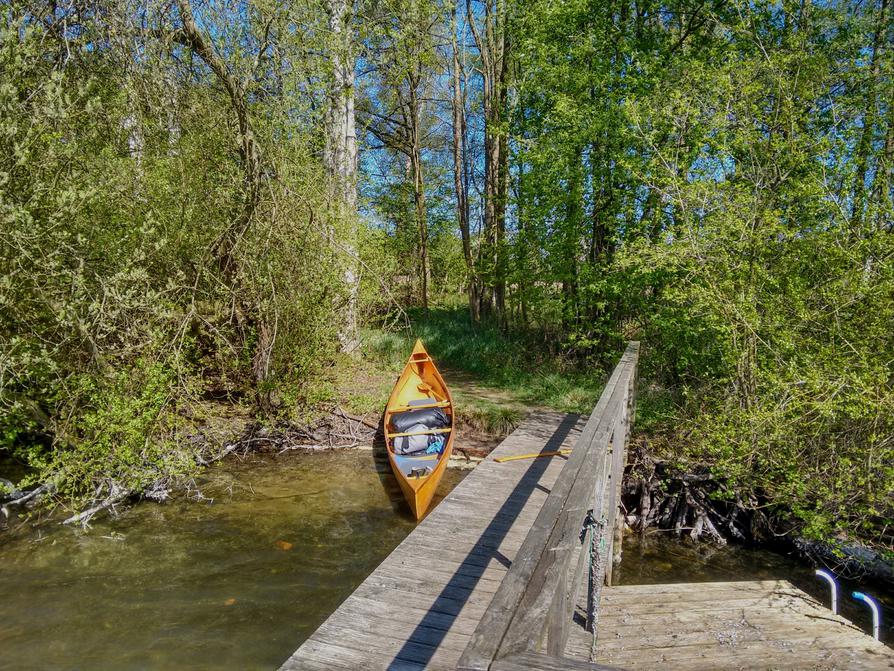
(420, 381)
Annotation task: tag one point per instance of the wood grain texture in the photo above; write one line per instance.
(528, 661)
(533, 596)
(757, 625)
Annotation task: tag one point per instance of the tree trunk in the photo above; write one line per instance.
(419, 193)
(193, 38)
(341, 155)
(870, 121)
(248, 313)
(460, 172)
(492, 49)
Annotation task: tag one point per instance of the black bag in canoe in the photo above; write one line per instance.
(433, 418)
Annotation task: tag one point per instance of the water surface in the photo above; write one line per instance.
(234, 582)
(239, 579)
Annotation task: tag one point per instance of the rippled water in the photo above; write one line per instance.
(233, 583)
(240, 581)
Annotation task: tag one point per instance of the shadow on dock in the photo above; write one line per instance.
(429, 633)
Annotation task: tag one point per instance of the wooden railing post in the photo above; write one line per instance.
(619, 462)
(533, 607)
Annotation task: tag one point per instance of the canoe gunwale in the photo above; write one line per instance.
(419, 491)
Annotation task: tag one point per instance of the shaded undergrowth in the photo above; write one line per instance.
(518, 366)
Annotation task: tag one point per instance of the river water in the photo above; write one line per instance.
(239, 579)
(234, 582)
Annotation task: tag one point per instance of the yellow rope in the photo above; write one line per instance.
(533, 455)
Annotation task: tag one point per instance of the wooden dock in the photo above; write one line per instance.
(767, 624)
(419, 608)
(507, 573)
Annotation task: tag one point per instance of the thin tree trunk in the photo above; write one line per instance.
(492, 49)
(885, 178)
(248, 315)
(460, 173)
(192, 37)
(870, 121)
(419, 193)
(341, 155)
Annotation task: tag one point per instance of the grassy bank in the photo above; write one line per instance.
(518, 364)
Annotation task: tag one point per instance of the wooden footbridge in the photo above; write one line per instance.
(508, 572)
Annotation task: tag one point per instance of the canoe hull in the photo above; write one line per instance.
(419, 380)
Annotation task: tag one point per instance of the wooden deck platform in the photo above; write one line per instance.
(725, 625)
(446, 596)
(419, 608)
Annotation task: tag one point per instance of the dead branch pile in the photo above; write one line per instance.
(337, 429)
(658, 494)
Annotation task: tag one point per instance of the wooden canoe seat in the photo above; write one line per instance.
(434, 404)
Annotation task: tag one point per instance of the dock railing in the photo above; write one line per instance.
(527, 623)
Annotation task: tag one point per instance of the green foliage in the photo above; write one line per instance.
(128, 432)
(713, 180)
(719, 186)
(129, 285)
(520, 363)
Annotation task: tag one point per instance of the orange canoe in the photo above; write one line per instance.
(420, 386)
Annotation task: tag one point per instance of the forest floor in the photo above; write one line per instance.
(342, 407)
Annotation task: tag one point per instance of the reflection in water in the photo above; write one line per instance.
(235, 583)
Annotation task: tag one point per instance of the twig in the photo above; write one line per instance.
(34, 494)
(85, 516)
(359, 420)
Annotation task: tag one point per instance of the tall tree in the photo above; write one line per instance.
(460, 164)
(340, 156)
(402, 117)
(489, 27)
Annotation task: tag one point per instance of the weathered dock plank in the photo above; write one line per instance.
(767, 624)
(419, 608)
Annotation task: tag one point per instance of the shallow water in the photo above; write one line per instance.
(232, 583)
(238, 582)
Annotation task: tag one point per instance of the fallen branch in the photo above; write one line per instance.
(227, 450)
(359, 420)
(33, 495)
(116, 495)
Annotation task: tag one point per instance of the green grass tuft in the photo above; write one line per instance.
(488, 417)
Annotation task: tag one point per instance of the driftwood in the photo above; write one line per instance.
(33, 496)
(19, 499)
(657, 494)
(338, 429)
(116, 495)
(360, 420)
